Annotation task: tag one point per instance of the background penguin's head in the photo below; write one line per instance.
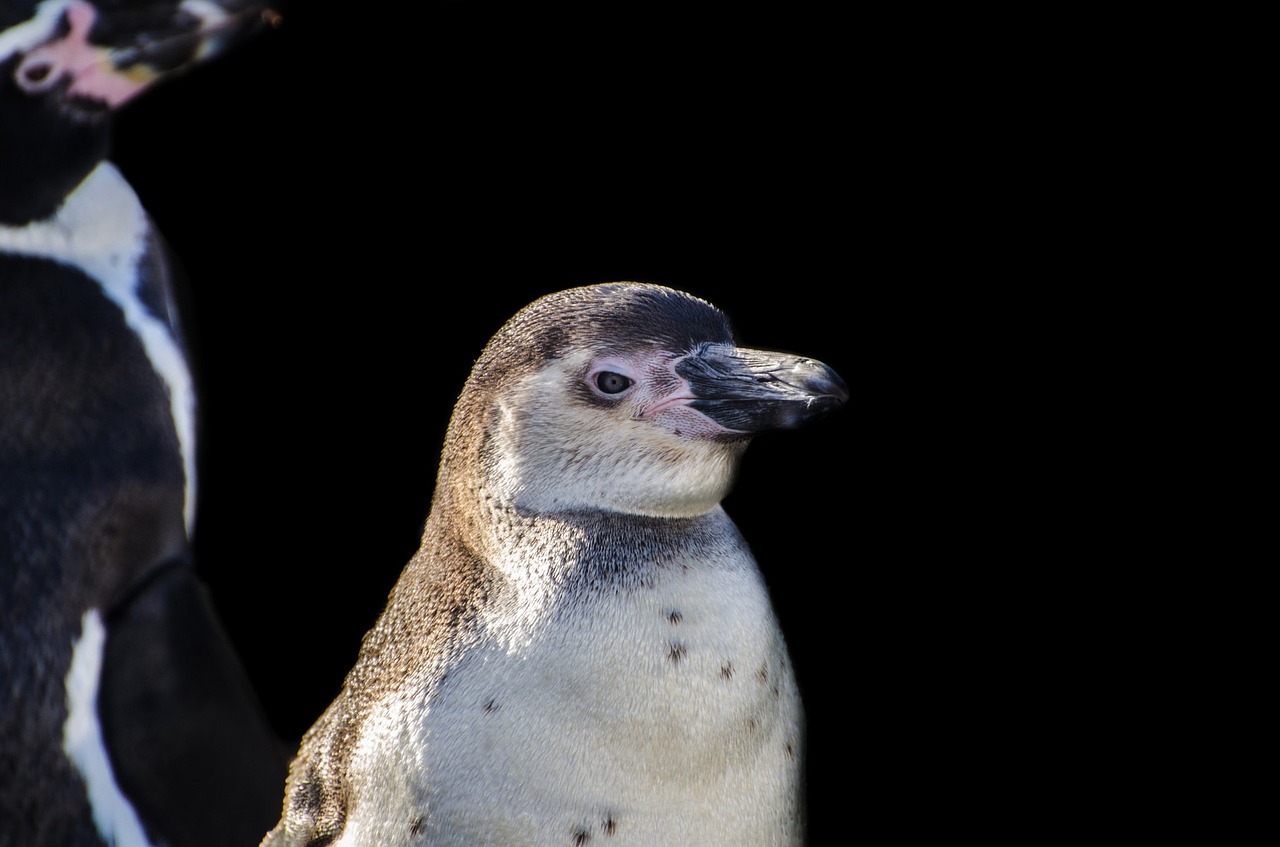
(66, 65)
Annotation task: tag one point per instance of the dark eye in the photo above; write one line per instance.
(612, 383)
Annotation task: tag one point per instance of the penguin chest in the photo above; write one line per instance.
(652, 715)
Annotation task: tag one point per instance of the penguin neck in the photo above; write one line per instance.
(577, 547)
(553, 542)
(49, 149)
(99, 227)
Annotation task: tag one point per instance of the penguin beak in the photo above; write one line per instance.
(752, 391)
(96, 53)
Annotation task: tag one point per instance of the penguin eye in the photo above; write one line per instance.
(612, 383)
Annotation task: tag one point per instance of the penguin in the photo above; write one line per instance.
(126, 717)
(583, 650)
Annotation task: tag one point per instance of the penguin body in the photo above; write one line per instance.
(583, 649)
(125, 717)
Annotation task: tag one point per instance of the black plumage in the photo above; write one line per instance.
(125, 716)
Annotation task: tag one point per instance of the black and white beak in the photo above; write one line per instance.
(750, 391)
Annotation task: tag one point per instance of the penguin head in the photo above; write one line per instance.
(66, 65)
(625, 397)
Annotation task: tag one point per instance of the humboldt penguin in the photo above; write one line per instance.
(125, 715)
(582, 650)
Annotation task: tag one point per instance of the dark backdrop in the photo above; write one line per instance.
(360, 201)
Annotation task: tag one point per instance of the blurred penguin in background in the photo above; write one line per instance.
(125, 716)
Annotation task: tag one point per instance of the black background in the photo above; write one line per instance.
(360, 199)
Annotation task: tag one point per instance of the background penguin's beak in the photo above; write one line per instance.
(755, 390)
(107, 53)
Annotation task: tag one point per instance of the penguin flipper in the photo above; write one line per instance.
(188, 738)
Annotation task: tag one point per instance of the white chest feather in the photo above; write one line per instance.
(655, 714)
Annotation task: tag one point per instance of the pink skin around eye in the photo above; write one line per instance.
(660, 394)
(656, 385)
(664, 388)
(92, 74)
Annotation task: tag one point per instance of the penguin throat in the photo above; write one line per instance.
(628, 470)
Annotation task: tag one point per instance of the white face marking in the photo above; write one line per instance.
(82, 741)
(557, 452)
(211, 15)
(101, 229)
(35, 31)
